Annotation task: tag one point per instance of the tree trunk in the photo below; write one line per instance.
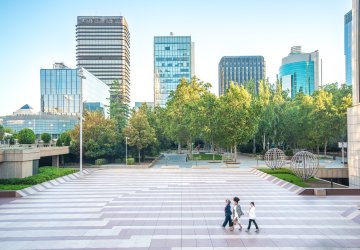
(179, 148)
(264, 142)
(325, 147)
(212, 149)
(190, 149)
(235, 153)
(318, 149)
(139, 156)
(254, 146)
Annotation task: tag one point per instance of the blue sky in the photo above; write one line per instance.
(36, 33)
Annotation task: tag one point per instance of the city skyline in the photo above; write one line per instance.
(268, 34)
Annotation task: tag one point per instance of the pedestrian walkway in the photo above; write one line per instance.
(173, 209)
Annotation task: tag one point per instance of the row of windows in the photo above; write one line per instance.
(101, 42)
(161, 59)
(101, 61)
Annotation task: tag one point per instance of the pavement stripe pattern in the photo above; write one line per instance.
(174, 209)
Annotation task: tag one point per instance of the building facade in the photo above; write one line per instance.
(60, 91)
(300, 72)
(139, 104)
(353, 114)
(40, 123)
(240, 70)
(347, 46)
(103, 48)
(173, 60)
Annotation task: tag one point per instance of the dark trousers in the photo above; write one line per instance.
(251, 220)
(228, 220)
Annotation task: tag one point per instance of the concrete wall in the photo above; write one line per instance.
(332, 173)
(19, 162)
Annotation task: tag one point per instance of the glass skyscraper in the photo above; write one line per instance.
(347, 46)
(60, 91)
(240, 69)
(103, 48)
(173, 60)
(299, 72)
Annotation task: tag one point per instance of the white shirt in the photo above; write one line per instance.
(252, 214)
(235, 212)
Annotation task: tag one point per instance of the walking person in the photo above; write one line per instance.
(228, 215)
(252, 217)
(237, 212)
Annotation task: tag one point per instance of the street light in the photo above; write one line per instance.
(126, 149)
(81, 75)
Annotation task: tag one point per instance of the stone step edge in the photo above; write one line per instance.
(283, 184)
(352, 213)
(50, 184)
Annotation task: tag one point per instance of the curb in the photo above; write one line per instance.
(284, 184)
(49, 184)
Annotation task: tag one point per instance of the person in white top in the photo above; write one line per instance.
(252, 217)
(237, 212)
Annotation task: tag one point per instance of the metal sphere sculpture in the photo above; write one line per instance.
(274, 158)
(304, 164)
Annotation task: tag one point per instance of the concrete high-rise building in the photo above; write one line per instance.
(173, 60)
(300, 72)
(240, 70)
(103, 48)
(354, 112)
(60, 91)
(347, 46)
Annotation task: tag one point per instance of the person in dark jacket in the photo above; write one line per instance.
(228, 214)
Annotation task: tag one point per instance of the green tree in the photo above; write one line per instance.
(59, 142)
(26, 136)
(239, 120)
(2, 132)
(99, 137)
(208, 115)
(46, 137)
(182, 112)
(65, 138)
(139, 132)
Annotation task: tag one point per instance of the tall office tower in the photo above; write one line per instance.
(353, 113)
(60, 91)
(300, 72)
(103, 48)
(173, 60)
(347, 46)
(240, 70)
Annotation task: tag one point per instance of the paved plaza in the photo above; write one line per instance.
(173, 209)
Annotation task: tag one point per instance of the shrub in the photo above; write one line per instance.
(10, 139)
(26, 136)
(65, 138)
(289, 152)
(45, 174)
(59, 142)
(118, 161)
(101, 161)
(46, 137)
(130, 161)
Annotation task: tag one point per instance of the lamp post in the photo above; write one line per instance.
(81, 75)
(126, 150)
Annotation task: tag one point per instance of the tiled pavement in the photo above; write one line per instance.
(173, 209)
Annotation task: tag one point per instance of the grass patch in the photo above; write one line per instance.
(206, 157)
(45, 174)
(13, 187)
(287, 175)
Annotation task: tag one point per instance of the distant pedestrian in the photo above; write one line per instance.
(228, 215)
(252, 217)
(237, 212)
